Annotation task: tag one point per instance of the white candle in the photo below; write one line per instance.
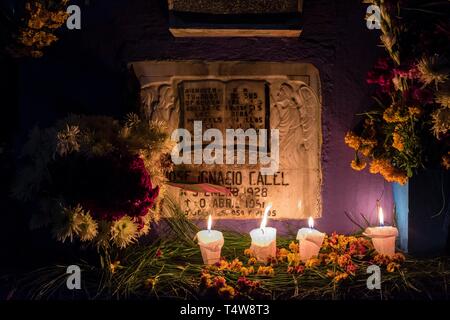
(310, 240)
(383, 237)
(210, 242)
(264, 239)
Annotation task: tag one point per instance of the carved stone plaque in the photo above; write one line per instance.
(243, 95)
(223, 104)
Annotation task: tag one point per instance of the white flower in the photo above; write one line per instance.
(124, 232)
(67, 140)
(88, 227)
(441, 121)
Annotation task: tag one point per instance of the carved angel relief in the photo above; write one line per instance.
(294, 112)
(158, 104)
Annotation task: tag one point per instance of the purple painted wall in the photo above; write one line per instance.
(84, 72)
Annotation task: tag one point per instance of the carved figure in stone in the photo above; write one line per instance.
(159, 105)
(293, 112)
(149, 100)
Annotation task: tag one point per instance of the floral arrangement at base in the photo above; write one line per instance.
(408, 129)
(96, 179)
(172, 267)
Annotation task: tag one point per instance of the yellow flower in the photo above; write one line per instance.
(331, 258)
(392, 266)
(247, 271)
(293, 259)
(340, 276)
(415, 111)
(325, 243)
(248, 252)
(282, 254)
(223, 264)
(393, 115)
(88, 227)
(227, 292)
(344, 260)
(293, 246)
(352, 140)
(252, 261)
(266, 271)
(235, 265)
(124, 231)
(312, 263)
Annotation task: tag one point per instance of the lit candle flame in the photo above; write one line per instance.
(311, 222)
(264, 219)
(381, 216)
(209, 223)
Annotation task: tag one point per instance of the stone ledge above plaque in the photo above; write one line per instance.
(268, 95)
(235, 18)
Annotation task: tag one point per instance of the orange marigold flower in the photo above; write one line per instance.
(389, 172)
(352, 140)
(266, 271)
(248, 252)
(325, 243)
(382, 259)
(205, 281)
(293, 259)
(36, 23)
(343, 260)
(312, 263)
(331, 258)
(392, 266)
(340, 276)
(398, 257)
(398, 142)
(235, 265)
(283, 252)
(227, 292)
(357, 164)
(293, 246)
(252, 261)
(393, 115)
(247, 271)
(223, 264)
